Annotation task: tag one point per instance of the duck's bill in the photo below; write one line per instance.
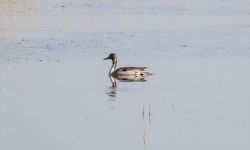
(106, 58)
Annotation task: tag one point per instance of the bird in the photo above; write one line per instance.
(129, 73)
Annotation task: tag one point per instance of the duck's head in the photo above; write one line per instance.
(111, 56)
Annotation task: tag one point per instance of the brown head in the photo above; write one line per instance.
(111, 56)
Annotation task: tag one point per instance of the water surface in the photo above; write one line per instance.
(55, 92)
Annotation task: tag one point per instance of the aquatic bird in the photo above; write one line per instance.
(129, 73)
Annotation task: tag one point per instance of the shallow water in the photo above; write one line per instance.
(55, 92)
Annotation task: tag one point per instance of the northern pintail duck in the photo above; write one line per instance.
(130, 73)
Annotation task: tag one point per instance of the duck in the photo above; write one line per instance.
(130, 73)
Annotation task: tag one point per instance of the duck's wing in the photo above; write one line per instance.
(132, 68)
(126, 71)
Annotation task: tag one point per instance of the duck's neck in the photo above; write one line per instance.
(113, 67)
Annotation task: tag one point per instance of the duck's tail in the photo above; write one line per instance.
(146, 74)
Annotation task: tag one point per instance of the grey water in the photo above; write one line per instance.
(55, 92)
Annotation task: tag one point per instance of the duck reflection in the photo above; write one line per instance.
(126, 78)
(112, 90)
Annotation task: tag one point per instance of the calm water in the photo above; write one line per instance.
(55, 92)
(193, 103)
